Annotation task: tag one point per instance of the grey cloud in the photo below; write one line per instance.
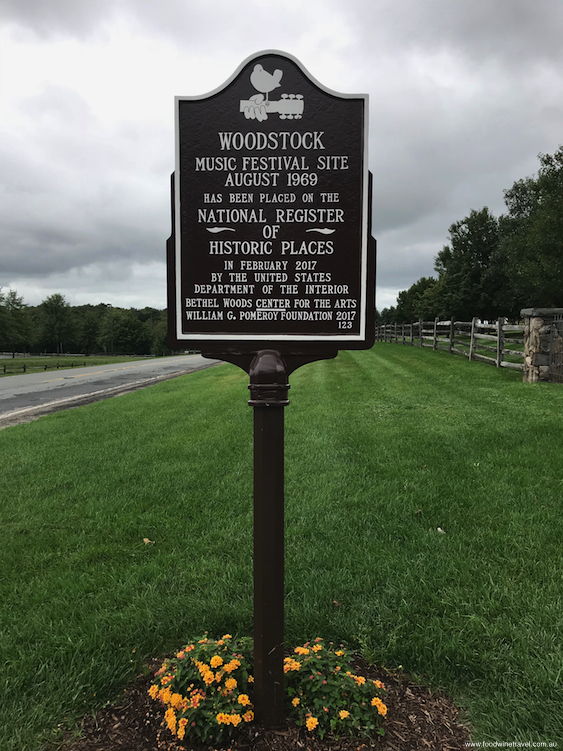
(77, 193)
(463, 96)
(57, 17)
(515, 32)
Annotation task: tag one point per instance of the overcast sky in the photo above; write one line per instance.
(464, 94)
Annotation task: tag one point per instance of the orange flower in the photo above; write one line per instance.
(170, 718)
(312, 723)
(177, 701)
(381, 708)
(290, 664)
(153, 691)
(182, 728)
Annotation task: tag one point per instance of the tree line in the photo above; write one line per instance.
(495, 266)
(55, 326)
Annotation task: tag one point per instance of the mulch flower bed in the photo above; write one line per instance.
(417, 720)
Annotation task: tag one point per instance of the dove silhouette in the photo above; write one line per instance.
(264, 81)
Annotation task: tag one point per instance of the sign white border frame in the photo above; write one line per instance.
(225, 337)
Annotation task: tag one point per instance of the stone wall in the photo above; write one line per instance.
(537, 341)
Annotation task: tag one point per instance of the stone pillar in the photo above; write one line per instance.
(537, 336)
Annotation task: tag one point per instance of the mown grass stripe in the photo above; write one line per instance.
(382, 448)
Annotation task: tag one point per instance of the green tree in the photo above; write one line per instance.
(57, 321)
(121, 332)
(387, 315)
(408, 300)
(462, 267)
(532, 235)
(16, 323)
(87, 321)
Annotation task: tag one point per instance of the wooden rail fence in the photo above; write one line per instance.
(473, 339)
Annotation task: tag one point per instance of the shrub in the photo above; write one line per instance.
(207, 690)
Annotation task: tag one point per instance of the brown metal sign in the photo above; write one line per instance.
(271, 238)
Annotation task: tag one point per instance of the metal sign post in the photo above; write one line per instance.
(268, 388)
(271, 265)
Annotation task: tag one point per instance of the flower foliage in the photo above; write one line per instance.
(206, 690)
(325, 695)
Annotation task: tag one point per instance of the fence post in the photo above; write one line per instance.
(420, 332)
(452, 335)
(500, 341)
(412, 334)
(472, 340)
(435, 340)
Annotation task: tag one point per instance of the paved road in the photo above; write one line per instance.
(30, 395)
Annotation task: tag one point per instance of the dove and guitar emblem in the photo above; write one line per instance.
(260, 106)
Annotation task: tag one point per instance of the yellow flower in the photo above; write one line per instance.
(379, 684)
(223, 719)
(295, 701)
(360, 680)
(251, 679)
(381, 708)
(340, 653)
(301, 651)
(232, 665)
(290, 664)
(248, 716)
(208, 678)
(227, 636)
(170, 718)
(230, 684)
(344, 714)
(153, 691)
(235, 719)
(182, 728)
(244, 700)
(216, 661)
(316, 648)
(176, 700)
(312, 723)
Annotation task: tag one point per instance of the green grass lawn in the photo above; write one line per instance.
(382, 448)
